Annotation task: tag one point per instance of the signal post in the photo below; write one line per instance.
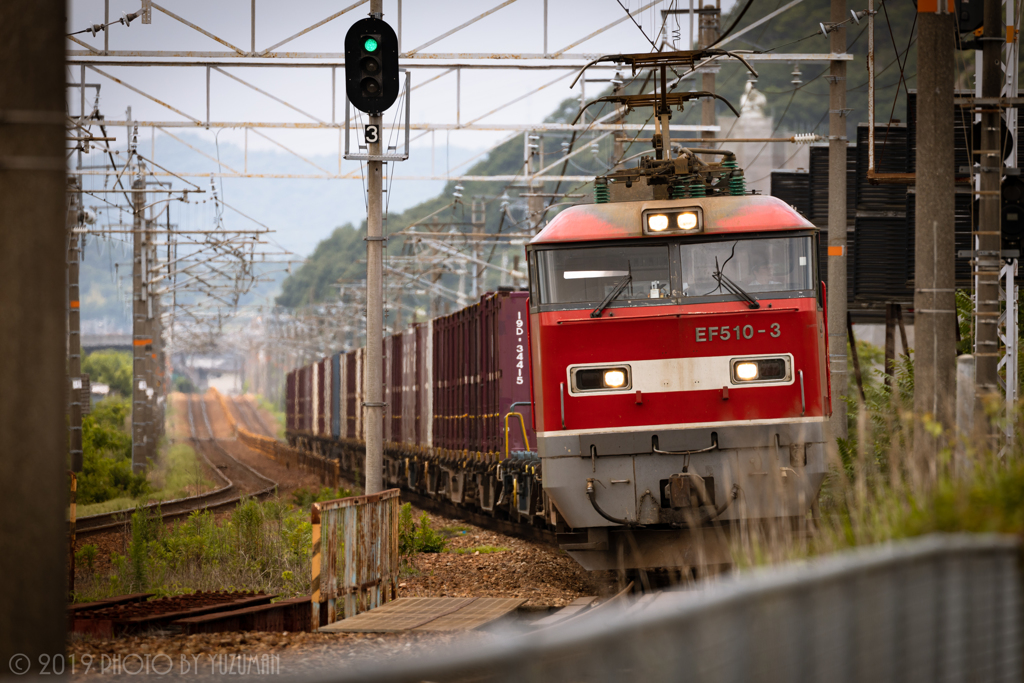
(371, 84)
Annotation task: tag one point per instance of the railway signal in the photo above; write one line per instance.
(371, 65)
(1012, 228)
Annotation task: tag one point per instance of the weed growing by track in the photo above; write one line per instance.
(303, 497)
(259, 546)
(107, 447)
(878, 489)
(177, 474)
(418, 537)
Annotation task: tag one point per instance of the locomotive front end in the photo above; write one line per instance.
(680, 377)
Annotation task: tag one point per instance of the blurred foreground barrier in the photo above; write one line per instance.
(937, 608)
(327, 470)
(355, 554)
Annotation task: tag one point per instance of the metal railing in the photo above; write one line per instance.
(937, 608)
(355, 554)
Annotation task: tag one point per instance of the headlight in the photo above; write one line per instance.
(601, 379)
(746, 371)
(657, 222)
(670, 221)
(686, 221)
(760, 370)
(614, 378)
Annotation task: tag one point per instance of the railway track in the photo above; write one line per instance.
(251, 417)
(238, 479)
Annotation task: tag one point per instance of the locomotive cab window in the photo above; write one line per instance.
(588, 275)
(758, 266)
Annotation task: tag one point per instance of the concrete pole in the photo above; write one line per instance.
(33, 431)
(74, 334)
(986, 311)
(934, 306)
(139, 338)
(708, 35)
(837, 221)
(965, 379)
(373, 382)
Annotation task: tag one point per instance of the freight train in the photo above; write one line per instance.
(664, 381)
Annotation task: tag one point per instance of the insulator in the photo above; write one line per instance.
(601, 194)
(806, 138)
(697, 189)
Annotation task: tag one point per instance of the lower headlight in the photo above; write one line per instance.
(607, 378)
(746, 371)
(614, 378)
(761, 369)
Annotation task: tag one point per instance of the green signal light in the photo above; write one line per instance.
(370, 45)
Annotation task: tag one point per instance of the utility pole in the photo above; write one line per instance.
(934, 305)
(837, 219)
(709, 28)
(74, 333)
(374, 380)
(33, 248)
(150, 326)
(140, 340)
(987, 238)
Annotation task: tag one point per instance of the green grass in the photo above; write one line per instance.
(278, 414)
(880, 489)
(418, 537)
(481, 550)
(260, 546)
(454, 530)
(177, 474)
(304, 498)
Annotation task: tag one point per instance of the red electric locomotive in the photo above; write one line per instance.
(680, 373)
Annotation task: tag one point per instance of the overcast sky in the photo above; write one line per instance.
(517, 28)
(303, 215)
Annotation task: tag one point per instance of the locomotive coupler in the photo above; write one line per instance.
(686, 490)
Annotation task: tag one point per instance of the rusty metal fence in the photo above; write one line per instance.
(937, 608)
(355, 554)
(327, 470)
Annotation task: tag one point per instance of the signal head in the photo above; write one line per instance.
(371, 65)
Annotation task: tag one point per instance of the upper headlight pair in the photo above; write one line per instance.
(658, 222)
(678, 221)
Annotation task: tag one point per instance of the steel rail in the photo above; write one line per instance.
(110, 520)
(180, 507)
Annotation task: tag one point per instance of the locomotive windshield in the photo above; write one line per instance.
(757, 265)
(588, 275)
(681, 270)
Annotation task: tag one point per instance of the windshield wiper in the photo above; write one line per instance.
(724, 281)
(596, 313)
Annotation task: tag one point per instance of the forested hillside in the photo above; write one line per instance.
(796, 107)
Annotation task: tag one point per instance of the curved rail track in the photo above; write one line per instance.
(239, 481)
(250, 415)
